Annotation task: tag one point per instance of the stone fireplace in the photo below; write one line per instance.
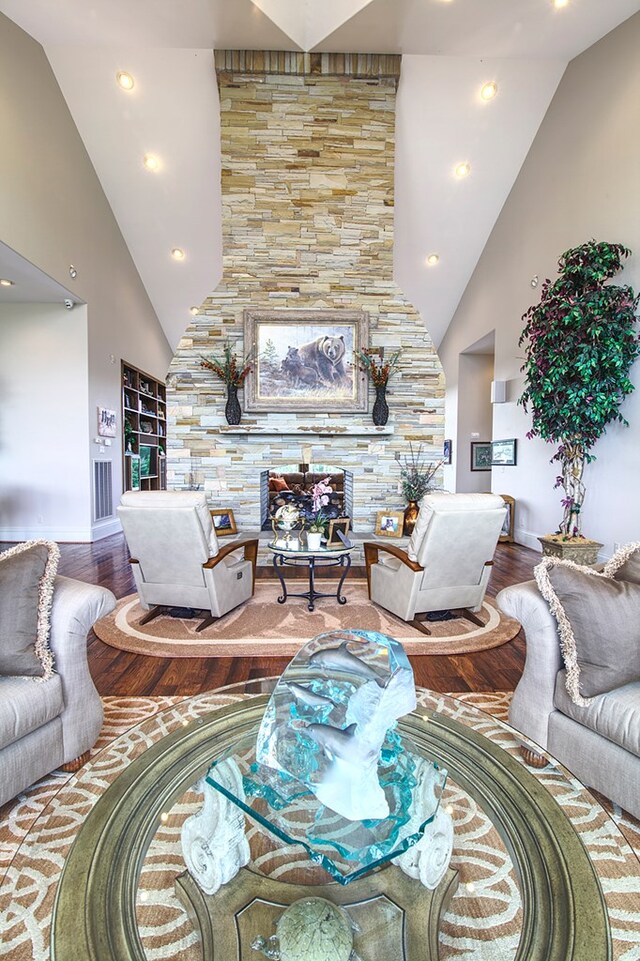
(292, 483)
(307, 144)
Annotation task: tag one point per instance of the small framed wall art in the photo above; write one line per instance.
(389, 523)
(503, 453)
(223, 521)
(337, 526)
(480, 455)
(106, 422)
(447, 451)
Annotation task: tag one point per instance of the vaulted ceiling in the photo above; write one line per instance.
(450, 47)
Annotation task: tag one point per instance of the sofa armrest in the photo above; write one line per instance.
(533, 698)
(76, 608)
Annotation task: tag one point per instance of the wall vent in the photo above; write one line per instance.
(102, 490)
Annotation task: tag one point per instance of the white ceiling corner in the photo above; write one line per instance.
(448, 50)
(308, 22)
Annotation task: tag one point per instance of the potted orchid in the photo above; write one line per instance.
(320, 493)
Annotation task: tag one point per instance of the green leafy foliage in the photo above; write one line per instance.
(580, 341)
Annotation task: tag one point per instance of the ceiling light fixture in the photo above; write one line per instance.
(462, 170)
(433, 259)
(177, 253)
(6, 283)
(125, 80)
(151, 162)
(194, 310)
(558, 4)
(489, 90)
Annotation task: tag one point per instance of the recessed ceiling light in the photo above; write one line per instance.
(125, 80)
(151, 162)
(560, 3)
(6, 283)
(489, 90)
(194, 310)
(462, 170)
(177, 253)
(433, 259)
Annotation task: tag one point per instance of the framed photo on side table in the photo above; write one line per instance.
(223, 521)
(481, 455)
(341, 524)
(503, 453)
(389, 523)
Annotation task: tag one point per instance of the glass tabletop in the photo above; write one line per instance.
(485, 919)
(303, 551)
(346, 849)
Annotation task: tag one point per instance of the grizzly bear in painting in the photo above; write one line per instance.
(326, 356)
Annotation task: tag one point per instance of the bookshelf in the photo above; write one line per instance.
(144, 425)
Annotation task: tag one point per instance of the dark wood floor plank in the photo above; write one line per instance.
(106, 562)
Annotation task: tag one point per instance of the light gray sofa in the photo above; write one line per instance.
(599, 743)
(45, 724)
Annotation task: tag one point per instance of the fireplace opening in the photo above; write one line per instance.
(291, 484)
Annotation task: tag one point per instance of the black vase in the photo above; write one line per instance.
(380, 411)
(232, 411)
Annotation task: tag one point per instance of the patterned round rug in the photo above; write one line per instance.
(264, 627)
(482, 921)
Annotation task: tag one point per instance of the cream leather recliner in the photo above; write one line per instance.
(176, 558)
(447, 562)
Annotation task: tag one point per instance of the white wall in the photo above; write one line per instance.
(581, 180)
(44, 462)
(54, 213)
(475, 419)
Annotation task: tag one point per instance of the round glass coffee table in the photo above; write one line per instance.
(544, 873)
(312, 559)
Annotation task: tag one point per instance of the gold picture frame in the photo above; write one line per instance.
(224, 522)
(506, 534)
(306, 360)
(341, 524)
(389, 523)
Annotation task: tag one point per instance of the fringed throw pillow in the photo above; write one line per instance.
(598, 617)
(27, 572)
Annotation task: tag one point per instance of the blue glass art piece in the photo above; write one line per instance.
(328, 769)
(329, 716)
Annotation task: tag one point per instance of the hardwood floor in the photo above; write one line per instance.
(116, 672)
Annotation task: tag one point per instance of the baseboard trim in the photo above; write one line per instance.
(105, 529)
(63, 535)
(527, 539)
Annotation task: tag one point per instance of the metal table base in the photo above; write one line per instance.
(281, 560)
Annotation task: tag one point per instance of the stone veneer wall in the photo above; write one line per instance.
(307, 193)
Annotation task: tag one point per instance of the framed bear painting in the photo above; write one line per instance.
(306, 360)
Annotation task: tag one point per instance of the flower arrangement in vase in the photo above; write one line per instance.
(580, 341)
(373, 363)
(320, 493)
(234, 374)
(416, 479)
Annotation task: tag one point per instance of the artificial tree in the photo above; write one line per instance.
(581, 341)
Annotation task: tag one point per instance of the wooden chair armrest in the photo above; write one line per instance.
(371, 551)
(250, 554)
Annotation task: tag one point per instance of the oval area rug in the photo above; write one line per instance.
(264, 627)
